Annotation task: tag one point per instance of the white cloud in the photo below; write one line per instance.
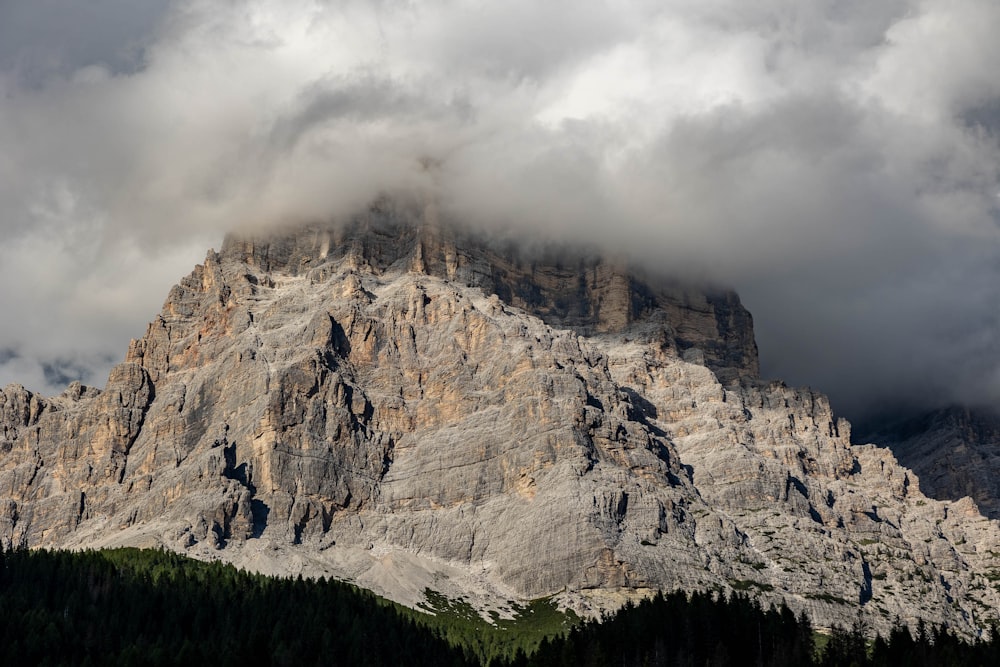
(835, 161)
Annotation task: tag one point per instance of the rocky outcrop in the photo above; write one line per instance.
(565, 287)
(955, 450)
(410, 405)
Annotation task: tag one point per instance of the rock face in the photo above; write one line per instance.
(956, 452)
(409, 405)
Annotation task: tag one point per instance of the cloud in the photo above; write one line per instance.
(837, 162)
(44, 38)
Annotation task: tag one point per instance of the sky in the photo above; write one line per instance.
(837, 162)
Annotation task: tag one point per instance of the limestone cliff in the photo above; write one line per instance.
(409, 405)
(955, 450)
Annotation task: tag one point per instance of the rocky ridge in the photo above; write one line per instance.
(955, 450)
(407, 405)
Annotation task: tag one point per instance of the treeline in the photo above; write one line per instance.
(133, 607)
(701, 629)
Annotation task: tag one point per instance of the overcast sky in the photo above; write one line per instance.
(836, 161)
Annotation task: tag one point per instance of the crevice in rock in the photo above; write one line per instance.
(866, 587)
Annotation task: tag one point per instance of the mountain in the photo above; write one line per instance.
(412, 405)
(955, 450)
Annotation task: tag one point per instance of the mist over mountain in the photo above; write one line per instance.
(414, 405)
(835, 163)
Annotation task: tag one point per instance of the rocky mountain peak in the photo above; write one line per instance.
(566, 286)
(414, 405)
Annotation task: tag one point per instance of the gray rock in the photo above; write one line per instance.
(956, 452)
(410, 405)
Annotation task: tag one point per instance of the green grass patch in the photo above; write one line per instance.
(820, 640)
(462, 625)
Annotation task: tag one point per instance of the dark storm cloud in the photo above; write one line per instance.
(837, 162)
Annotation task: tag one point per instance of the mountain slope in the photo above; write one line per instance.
(412, 406)
(956, 452)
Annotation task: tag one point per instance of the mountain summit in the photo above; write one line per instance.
(412, 405)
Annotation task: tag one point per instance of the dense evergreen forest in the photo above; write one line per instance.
(700, 629)
(132, 607)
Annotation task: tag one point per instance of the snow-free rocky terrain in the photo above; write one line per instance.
(955, 450)
(406, 405)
